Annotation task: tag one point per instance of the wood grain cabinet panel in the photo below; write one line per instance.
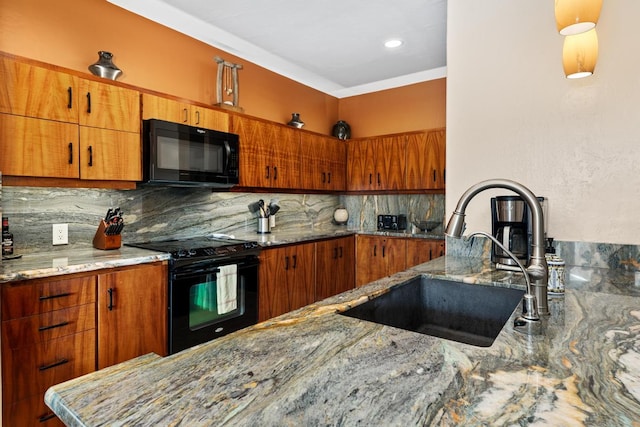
(132, 313)
(162, 108)
(376, 164)
(286, 279)
(423, 250)
(426, 160)
(38, 148)
(108, 106)
(323, 162)
(110, 155)
(269, 154)
(378, 257)
(335, 266)
(31, 91)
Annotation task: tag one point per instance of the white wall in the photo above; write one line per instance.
(512, 114)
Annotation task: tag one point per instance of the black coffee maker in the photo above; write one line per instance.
(510, 220)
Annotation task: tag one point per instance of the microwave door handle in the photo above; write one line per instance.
(227, 149)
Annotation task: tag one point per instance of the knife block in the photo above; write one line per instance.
(106, 242)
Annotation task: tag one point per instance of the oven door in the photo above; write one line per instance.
(207, 301)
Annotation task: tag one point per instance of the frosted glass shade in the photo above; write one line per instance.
(577, 16)
(580, 54)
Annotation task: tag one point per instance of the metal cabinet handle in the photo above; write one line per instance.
(335, 253)
(329, 181)
(370, 179)
(71, 153)
(340, 251)
(110, 304)
(89, 102)
(57, 325)
(286, 263)
(90, 155)
(197, 117)
(275, 172)
(53, 365)
(186, 115)
(70, 103)
(430, 254)
(383, 251)
(374, 250)
(295, 261)
(378, 179)
(48, 297)
(46, 418)
(267, 175)
(434, 175)
(324, 177)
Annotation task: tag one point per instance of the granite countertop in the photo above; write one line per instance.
(84, 258)
(316, 367)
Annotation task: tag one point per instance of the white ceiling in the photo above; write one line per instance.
(335, 46)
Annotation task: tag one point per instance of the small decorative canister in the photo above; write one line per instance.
(341, 130)
(556, 265)
(105, 67)
(340, 216)
(296, 121)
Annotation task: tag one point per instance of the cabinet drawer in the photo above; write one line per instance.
(31, 412)
(32, 370)
(27, 331)
(29, 298)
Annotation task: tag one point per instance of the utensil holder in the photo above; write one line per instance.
(263, 225)
(104, 241)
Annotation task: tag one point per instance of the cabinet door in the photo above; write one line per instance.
(390, 162)
(335, 266)
(108, 106)
(110, 155)
(361, 162)
(423, 250)
(35, 147)
(323, 162)
(132, 313)
(286, 279)
(209, 119)
(269, 154)
(378, 257)
(158, 107)
(425, 160)
(31, 91)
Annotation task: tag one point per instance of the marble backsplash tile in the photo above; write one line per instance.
(581, 254)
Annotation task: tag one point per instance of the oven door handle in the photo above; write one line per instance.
(209, 267)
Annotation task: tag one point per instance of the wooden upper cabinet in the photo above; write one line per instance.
(376, 164)
(323, 162)
(31, 91)
(426, 160)
(110, 155)
(269, 154)
(108, 106)
(38, 148)
(161, 108)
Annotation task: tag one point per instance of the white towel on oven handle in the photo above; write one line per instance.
(227, 288)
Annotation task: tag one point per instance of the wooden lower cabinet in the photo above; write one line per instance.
(286, 279)
(423, 250)
(335, 266)
(50, 333)
(132, 313)
(381, 256)
(378, 257)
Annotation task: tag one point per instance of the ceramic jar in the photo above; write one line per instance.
(556, 280)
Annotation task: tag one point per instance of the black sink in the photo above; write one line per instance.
(472, 314)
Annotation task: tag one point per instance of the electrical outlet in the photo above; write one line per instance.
(60, 234)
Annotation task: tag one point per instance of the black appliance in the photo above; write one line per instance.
(197, 268)
(392, 222)
(511, 226)
(179, 155)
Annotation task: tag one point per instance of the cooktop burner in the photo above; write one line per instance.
(199, 247)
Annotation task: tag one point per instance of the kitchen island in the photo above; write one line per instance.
(314, 366)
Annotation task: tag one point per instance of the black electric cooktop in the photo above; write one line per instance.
(199, 246)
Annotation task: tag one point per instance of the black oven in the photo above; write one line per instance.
(213, 288)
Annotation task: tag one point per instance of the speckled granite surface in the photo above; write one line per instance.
(315, 367)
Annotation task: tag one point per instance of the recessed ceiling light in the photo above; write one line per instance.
(393, 43)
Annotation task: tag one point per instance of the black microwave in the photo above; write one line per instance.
(180, 155)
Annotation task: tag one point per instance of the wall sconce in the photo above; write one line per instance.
(579, 54)
(577, 16)
(577, 19)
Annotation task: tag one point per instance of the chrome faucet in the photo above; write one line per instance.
(536, 273)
